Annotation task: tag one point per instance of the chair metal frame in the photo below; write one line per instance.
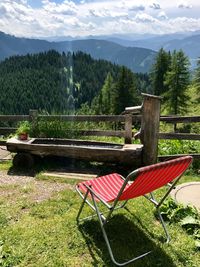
(104, 219)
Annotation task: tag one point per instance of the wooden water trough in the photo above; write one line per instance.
(77, 149)
(128, 154)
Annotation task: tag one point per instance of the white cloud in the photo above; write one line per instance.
(103, 13)
(65, 8)
(184, 4)
(162, 15)
(155, 6)
(97, 17)
(143, 17)
(137, 8)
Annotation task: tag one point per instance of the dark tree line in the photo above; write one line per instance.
(62, 83)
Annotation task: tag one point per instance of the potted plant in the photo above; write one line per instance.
(23, 130)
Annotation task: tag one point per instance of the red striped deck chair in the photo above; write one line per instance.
(112, 188)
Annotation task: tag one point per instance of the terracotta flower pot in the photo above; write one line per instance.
(23, 136)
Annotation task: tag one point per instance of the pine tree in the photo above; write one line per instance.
(124, 93)
(197, 80)
(160, 68)
(177, 80)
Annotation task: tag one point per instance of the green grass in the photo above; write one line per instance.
(5, 165)
(46, 234)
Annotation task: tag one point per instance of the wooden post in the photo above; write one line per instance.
(128, 129)
(33, 114)
(150, 122)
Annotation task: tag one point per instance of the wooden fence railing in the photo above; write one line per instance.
(147, 114)
(127, 133)
(33, 117)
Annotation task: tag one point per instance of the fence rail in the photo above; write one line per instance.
(127, 120)
(179, 136)
(9, 118)
(180, 119)
(104, 118)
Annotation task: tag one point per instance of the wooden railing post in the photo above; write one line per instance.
(150, 128)
(128, 129)
(33, 114)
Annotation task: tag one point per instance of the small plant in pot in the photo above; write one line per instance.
(23, 130)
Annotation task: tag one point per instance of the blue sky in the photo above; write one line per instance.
(47, 18)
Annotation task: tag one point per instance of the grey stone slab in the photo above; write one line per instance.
(187, 194)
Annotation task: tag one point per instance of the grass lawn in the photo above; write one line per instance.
(45, 233)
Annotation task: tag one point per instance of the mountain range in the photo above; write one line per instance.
(188, 42)
(137, 52)
(137, 59)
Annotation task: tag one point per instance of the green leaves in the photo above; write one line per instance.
(189, 221)
(187, 217)
(171, 147)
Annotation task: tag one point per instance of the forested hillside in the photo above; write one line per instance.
(136, 58)
(55, 83)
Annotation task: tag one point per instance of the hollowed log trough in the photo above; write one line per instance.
(128, 154)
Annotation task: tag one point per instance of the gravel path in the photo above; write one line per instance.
(35, 190)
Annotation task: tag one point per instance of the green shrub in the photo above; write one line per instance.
(23, 127)
(187, 217)
(171, 147)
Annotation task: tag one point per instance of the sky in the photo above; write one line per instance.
(48, 18)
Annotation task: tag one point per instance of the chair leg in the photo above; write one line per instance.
(82, 205)
(102, 225)
(157, 205)
(163, 225)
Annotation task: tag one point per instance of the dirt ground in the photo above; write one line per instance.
(4, 154)
(35, 190)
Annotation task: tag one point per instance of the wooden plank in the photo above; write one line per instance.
(180, 119)
(128, 129)
(136, 109)
(82, 118)
(150, 128)
(101, 133)
(69, 175)
(14, 117)
(168, 157)
(179, 136)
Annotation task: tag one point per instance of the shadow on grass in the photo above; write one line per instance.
(161, 238)
(127, 241)
(63, 164)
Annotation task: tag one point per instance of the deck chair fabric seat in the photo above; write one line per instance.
(112, 188)
(147, 180)
(106, 187)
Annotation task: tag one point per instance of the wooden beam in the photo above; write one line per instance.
(168, 157)
(14, 117)
(135, 110)
(180, 119)
(91, 118)
(101, 133)
(128, 129)
(179, 136)
(150, 128)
